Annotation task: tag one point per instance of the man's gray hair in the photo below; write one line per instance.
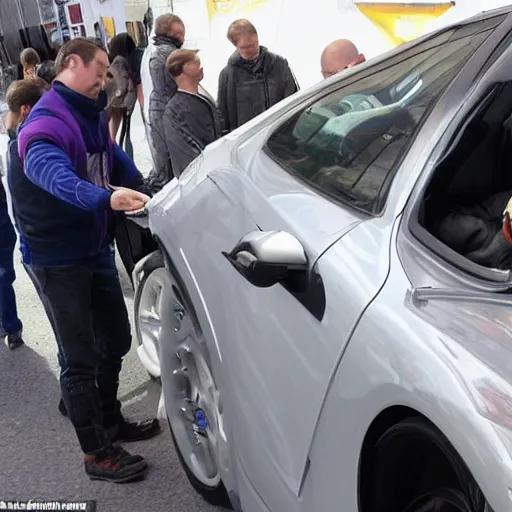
(164, 23)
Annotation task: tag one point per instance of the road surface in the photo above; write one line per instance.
(39, 454)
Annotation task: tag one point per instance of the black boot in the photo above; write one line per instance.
(14, 341)
(128, 431)
(124, 431)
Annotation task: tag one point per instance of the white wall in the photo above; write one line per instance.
(297, 33)
(466, 8)
(296, 30)
(110, 9)
(93, 10)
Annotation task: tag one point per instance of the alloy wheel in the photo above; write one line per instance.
(193, 402)
(149, 320)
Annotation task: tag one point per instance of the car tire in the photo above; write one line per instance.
(216, 496)
(445, 500)
(137, 305)
(416, 467)
(185, 367)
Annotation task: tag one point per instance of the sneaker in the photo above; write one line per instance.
(14, 341)
(127, 431)
(115, 465)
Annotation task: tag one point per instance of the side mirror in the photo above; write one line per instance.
(265, 258)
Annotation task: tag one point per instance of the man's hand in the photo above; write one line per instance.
(127, 200)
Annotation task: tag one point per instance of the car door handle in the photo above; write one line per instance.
(266, 258)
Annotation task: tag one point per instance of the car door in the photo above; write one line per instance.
(319, 174)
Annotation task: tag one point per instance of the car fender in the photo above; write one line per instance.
(395, 360)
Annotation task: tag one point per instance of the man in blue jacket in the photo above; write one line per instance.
(79, 182)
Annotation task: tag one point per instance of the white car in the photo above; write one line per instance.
(322, 343)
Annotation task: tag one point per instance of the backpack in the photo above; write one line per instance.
(120, 89)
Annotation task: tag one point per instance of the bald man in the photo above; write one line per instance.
(339, 55)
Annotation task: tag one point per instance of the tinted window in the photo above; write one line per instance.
(347, 144)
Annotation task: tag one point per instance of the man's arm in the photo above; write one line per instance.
(290, 83)
(158, 74)
(125, 172)
(182, 144)
(222, 101)
(48, 167)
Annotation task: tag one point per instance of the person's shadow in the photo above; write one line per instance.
(41, 458)
(31, 430)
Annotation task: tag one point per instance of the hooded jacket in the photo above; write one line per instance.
(248, 88)
(164, 89)
(164, 86)
(59, 176)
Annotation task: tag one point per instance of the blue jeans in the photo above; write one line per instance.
(9, 321)
(86, 309)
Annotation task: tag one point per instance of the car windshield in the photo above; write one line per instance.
(347, 142)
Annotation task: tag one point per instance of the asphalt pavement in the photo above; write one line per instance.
(40, 457)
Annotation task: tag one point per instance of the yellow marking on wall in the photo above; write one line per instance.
(110, 26)
(231, 6)
(401, 22)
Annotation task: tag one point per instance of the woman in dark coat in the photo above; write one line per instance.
(122, 45)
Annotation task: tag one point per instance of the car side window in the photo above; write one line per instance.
(347, 144)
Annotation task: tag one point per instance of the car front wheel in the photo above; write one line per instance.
(417, 470)
(440, 500)
(148, 320)
(192, 399)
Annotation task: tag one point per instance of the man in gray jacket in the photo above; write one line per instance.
(254, 79)
(191, 120)
(169, 36)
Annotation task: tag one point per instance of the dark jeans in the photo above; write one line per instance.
(86, 308)
(9, 321)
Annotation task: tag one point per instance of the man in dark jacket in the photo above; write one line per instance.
(191, 120)
(10, 324)
(21, 96)
(67, 189)
(169, 36)
(254, 79)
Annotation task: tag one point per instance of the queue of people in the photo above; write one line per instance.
(253, 80)
(70, 185)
